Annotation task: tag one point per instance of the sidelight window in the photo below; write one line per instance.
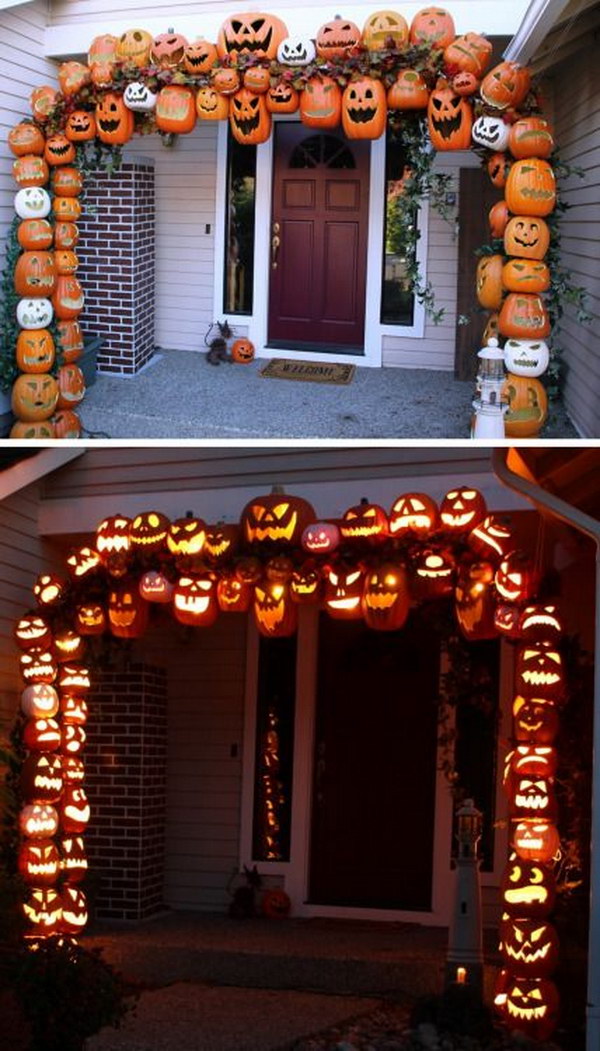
(397, 300)
(239, 228)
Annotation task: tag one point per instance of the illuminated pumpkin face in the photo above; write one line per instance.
(490, 538)
(32, 630)
(113, 543)
(450, 119)
(156, 587)
(539, 760)
(275, 615)
(540, 622)
(528, 888)
(43, 911)
(199, 56)
(74, 678)
(529, 947)
(39, 701)
(321, 103)
(127, 612)
(74, 738)
(74, 910)
(233, 596)
(433, 574)
(49, 589)
(138, 97)
(38, 665)
(74, 710)
(276, 519)
(80, 126)
(305, 584)
(221, 543)
(38, 821)
(336, 38)
(149, 531)
(535, 721)
(413, 515)
(475, 600)
(41, 778)
(320, 538)
(535, 839)
(73, 770)
(296, 51)
(186, 539)
(38, 862)
(516, 578)
(75, 810)
(82, 562)
(461, 509)
(540, 670)
(491, 132)
(526, 357)
(366, 523)
(73, 860)
(195, 600)
(90, 619)
(529, 1005)
(343, 592)
(386, 600)
(382, 28)
(42, 735)
(532, 797)
(250, 33)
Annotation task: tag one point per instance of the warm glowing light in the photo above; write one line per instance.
(461, 975)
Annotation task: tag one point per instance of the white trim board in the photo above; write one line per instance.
(31, 470)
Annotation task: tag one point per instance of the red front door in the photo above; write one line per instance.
(318, 240)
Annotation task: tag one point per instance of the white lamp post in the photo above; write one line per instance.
(464, 959)
(489, 408)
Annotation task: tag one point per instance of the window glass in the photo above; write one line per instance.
(397, 301)
(239, 228)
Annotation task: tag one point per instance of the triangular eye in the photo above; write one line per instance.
(350, 515)
(370, 513)
(281, 509)
(260, 594)
(334, 578)
(352, 578)
(535, 994)
(537, 934)
(184, 582)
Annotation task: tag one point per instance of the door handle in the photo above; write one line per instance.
(275, 242)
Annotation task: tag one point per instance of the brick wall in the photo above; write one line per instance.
(125, 761)
(116, 252)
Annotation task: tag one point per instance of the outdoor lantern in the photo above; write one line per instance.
(489, 408)
(464, 957)
(185, 540)
(413, 515)
(469, 826)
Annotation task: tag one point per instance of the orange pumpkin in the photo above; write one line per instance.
(68, 298)
(250, 33)
(464, 83)
(134, 46)
(35, 274)
(103, 74)
(525, 275)
(43, 429)
(35, 350)
(498, 167)
(321, 103)
(470, 53)
(210, 105)
(26, 138)
(528, 406)
(505, 85)
(498, 218)
(71, 385)
(34, 396)
(249, 118)
(336, 38)
(409, 91)
(73, 76)
(433, 26)
(530, 137)
(524, 317)
(42, 101)
(65, 261)
(364, 109)
(34, 234)
(489, 281)
(103, 49)
(257, 79)
(450, 119)
(176, 110)
(383, 27)
(114, 122)
(491, 329)
(66, 424)
(242, 351)
(67, 209)
(59, 150)
(168, 49)
(526, 236)
(226, 80)
(70, 338)
(282, 98)
(30, 170)
(67, 182)
(199, 57)
(531, 187)
(66, 234)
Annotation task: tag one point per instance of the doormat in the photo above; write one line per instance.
(309, 371)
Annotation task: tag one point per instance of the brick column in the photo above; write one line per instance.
(125, 759)
(116, 253)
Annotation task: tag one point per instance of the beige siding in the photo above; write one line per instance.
(23, 68)
(206, 674)
(577, 116)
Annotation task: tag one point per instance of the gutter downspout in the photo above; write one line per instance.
(591, 527)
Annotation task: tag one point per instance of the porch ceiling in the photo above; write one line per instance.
(571, 474)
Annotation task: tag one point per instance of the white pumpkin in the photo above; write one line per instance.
(296, 51)
(139, 98)
(34, 313)
(491, 132)
(526, 357)
(32, 202)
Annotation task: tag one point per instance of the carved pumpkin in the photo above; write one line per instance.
(233, 596)
(167, 50)
(38, 862)
(535, 839)
(114, 122)
(199, 56)
(365, 524)
(386, 599)
(525, 275)
(524, 316)
(306, 584)
(102, 49)
(498, 216)
(528, 1005)
(516, 579)
(433, 26)
(491, 539)
(80, 126)
(134, 46)
(90, 619)
(34, 397)
(30, 170)
(112, 537)
(528, 888)
(470, 53)
(464, 83)
(226, 80)
(450, 119)
(526, 357)
(498, 167)
(186, 539)
(42, 735)
(281, 98)
(59, 150)
(210, 105)
(35, 351)
(336, 38)
(127, 611)
(296, 51)
(413, 515)
(275, 615)
(321, 103)
(383, 28)
(474, 600)
(103, 74)
(461, 509)
(343, 592)
(73, 769)
(74, 677)
(71, 385)
(540, 622)
(529, 947)
(75, 810)
(490, 132)
(38, 821)
(66, 208)
(433, 574)
(540, 670)
(250, 33)
(68, 298)
(40, 700)
(221, 542)
(195, 600)
(68, 645)
(74, 910)
(65, 261)
(528, 406)
(42, 101)
(71, 339)
(26, 138)
(138, 97)
(531, 187)
(242, 350)
(248, 569)
(526, 236)
(66, 234)
(74, 709)
(74, 738)
(32, 202)
(540, 760)
(149, 531)
(32, 630)
(176, 110)
(43, 911)
(73, 861)
(257, 79)
(249, 118)
(531, 137)
(156, 587)
(33, 234)
(38, 666)
(364, 109)
(409, 91)
(275, 518)
(320, 538)
(275, 903)
(532, 797)
(505, 85)
(489, 281)
(535, 720)
(82, 562)
(73, 76)
(41, 778)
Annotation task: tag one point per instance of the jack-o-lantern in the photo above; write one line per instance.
(321, 538)
(531, 187)
(433, 573)
(32, 630)
(249, 118)
(68, 298)
(525, 275)
(364, 108)
(167, 50)
(275, 615)
(148, 531)
(26, 138)
(33, 234)
(248, 569)
(74, 677)
(65, 261)
(257, 79)
(127, 611)
(73, 860)
(526, 357)
(413, 515)
(73, 76)
(199, 56)
(134, 46)
(39, 700)
(156, 587)
(67, 209)
(532, 797)
(73, 770)
(42, 101)
(114, 122)
(83, 561)
(475, 601)
(505, 85)
(516, 577)
(386, 599)
(529, 947)
(489, 281)
(365, 524)
(528, 888)
(464, 83)
(35, 274)
(112, 537)
(498, 216)
(74, 914)
(491, 132)
(275, 519)
(186, 539)
(30, 170)
(233, 596)
(71, 339)
(71, 385)
(35, 350)
(498, 167)
(296, 51)
(221, 543)
(306, 584)
(74, 710)
(59, 150)
(103, 48)
(32, 202)
(90, 618)
(195, 600)
(540, 760)
(540, 670)
(540, 622)
(38, 665)
(321, 103)
(343, 592)
(275, 903)
(50, 589)
(461, 509)
(527, 1005)
(242, 350)
(211, 105)
(103, 74)
(138, 97)
(34, 396)
(433, 26)
(66, 234)
(42, 735)
(38, 862)
(450, 118)
(38, 821)
(535, 720)
(384, 28)
(527, 406)
(73, 739)
(490, 538)
(41, 778)
(470, 53)
(74, 810)
(42, 909)
(226, 80)
(531, 137)
(334, 39)
(279, 569)
(176, 109)
(250, 33)
(68, 645)
(409, 91)
(535, 839)
(80, 126)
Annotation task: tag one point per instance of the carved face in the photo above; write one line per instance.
(42, 735)
(534, 720)
(409, 91)
(386, 601)
(35, 351)
(41, 778)
(42, 100)
(127, 611)
(516, 577)
(529, 1005)
(526, 236)
(90, 618)
(75, 810)
(343, 592)
(32, 630)
(531, 187)
(83, 562)
(532, 797)
(195, 599)
(320, 538)
(434, 26)
(383, 27)
(413, 515)
(337, 37)
(221, 543)
(248, 569)
(148, 531)
(281, 98)
(30, 171)
(210, 105)
(32, 202)
(276, 519)
(461, 509)
(525, 275)
(39, 701)
(535, 839)
(490, 538)
(526, 357)
(498, 167)
(138, 97)
(489, 281)
(199, 56)
(321, 103)
(528, 888)
(250, 33)
(34, 396)
(80, 126)
(26, 138)
(35, 313)
(475, 603)
(176, 109)
(275, 614)
(74, 710)
(491, 132)
(296, 51)
(156, 587)
(73, 860)
(35, 233)
(59, 150)
(66, 234)
(74, 678)
(38, 665)
(539, 760)
(540, 670)
(113, 543)
(186, 538)
(167, 50)
(365, 522)
(74, 737)
(38, 821)
(433, 573)
(364, 109)
(450, 119)
(305, 584)
(233, 596)
(43, 910)
(540, 622)
(74, 909)
(526, 397)
(505, 85)
(73, 770)
(470, 53)
(529, 947)
(249, 118)
(38, 862)
(49, 589)
(114, 122)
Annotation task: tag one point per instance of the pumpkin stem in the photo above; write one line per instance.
(277, 490)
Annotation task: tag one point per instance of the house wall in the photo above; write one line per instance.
(577, 126)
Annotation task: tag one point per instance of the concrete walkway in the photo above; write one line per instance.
(179, 395)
